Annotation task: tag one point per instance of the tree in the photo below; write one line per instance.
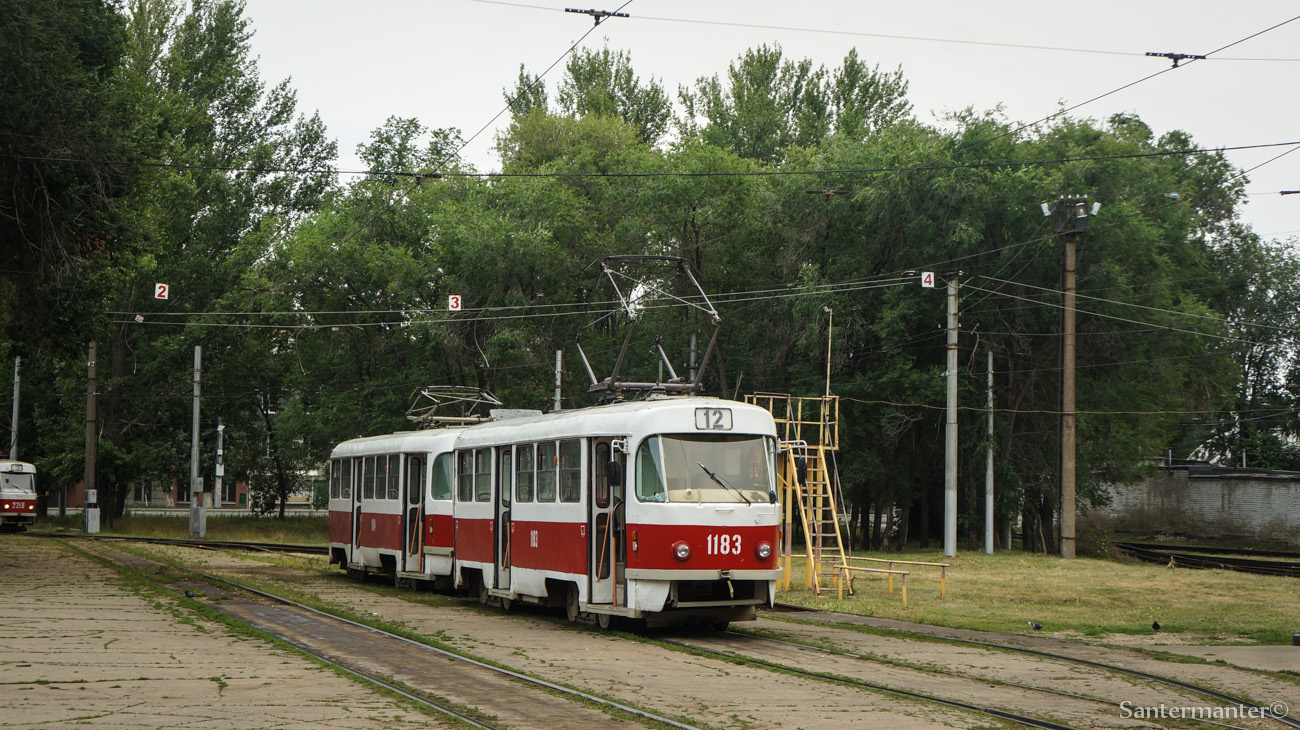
(769, 104)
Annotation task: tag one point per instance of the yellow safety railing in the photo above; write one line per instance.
(943, 571)
(849, 570)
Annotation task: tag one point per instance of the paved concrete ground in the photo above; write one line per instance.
(80, 647)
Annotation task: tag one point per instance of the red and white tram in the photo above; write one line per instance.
(17, 495)
(663, 509)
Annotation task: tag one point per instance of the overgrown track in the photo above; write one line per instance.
(827, 677)
(201, 543)
(440, 680)
(1164, 556)
(830, 617)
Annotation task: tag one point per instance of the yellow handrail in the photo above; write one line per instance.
(943, 571)
(845, 568)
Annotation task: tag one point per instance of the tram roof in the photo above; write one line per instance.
(17, 467)
(603, 419)
(402, 441)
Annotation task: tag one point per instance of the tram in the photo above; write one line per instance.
(662, 510)
(17, 495)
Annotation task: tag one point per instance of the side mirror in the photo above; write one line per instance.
(771, 497)
(614, 473)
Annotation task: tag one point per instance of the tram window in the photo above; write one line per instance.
(649, 479)
(600, 475)
(465, 476)
(394, 479)
(546, 461)
(345, 478)
(368, 478)
(505, 470)
(414, 479)
(483, 475)
(334, 479)
(441, 488)
(570, 471)
(524, 466)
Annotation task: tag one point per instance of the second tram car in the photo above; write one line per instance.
(663, 509)
(17, 495)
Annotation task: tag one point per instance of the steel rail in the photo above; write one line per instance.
(1086, 662)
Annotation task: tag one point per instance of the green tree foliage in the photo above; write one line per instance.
(768, 104)
(62, 117)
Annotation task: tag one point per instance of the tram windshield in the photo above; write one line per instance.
(706, 468)
(13, 482)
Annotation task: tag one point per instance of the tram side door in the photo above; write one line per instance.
(504, 472)
(608, 558)
(356, 465)
(412, 519)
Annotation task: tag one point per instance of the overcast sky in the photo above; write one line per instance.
(446, 62)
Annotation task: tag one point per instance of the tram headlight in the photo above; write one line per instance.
(681, 550)
(763, 550)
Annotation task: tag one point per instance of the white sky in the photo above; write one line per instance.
(446, 62)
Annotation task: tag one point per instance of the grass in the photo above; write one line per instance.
(1092, 597)
(292, 530)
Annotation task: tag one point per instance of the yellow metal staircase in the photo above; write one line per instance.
(807, 480)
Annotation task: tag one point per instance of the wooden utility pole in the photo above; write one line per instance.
(950, 430)
(988, 470)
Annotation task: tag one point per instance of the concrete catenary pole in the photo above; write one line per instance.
(90, 508)
(13, 435)
(950, 431)
(198, 515)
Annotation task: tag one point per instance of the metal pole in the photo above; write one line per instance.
(830, 324)
(950, 432)
(198, 516)
(988, 470)
(13, 435)
(559, 365)
(221, 464)
(90, 508)
(692, 367)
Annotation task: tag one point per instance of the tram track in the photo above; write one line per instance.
(439, 680)
(1206, 559)
(938, 633)
(729, 654)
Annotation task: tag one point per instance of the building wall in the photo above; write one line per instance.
(1206, 502)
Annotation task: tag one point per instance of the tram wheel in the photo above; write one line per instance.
(604, 621)
(483, 595)
(506, 604)
(571, 603)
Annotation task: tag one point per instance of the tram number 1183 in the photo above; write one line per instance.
(723, 545)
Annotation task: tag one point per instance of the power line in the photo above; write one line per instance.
(635, 175)
(886, 36)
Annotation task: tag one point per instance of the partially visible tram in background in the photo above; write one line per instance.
(661, 510)
(17, 495)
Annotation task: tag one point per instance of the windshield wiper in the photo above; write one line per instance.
(718, 479)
